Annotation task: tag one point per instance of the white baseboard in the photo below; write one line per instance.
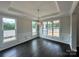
(55, 40)
(74, 50)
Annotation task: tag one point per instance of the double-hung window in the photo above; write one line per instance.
(34, 28)
(44, 29)
(9, 29)
(56, 28)
(49, 28)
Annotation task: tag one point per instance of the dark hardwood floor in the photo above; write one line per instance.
(38, 48)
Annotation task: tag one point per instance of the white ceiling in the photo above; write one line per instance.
(46, 8)
(29, 8)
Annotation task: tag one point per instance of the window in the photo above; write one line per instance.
(9, 29)
(49, 28)
(34, 28)
(44, 28)
(56, 27)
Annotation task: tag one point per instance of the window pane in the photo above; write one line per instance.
(56, 28)
(9, 29)
(34, 27)
(56, 32)
(44, 28)
(50, 28)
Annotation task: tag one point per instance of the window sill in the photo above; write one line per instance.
(9, 39)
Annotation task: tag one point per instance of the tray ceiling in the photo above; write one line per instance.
(47, 8)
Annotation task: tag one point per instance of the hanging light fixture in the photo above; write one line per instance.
(39, 20)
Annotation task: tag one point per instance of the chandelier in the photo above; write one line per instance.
(39, 20)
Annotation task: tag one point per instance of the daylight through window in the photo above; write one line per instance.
(9, 29)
